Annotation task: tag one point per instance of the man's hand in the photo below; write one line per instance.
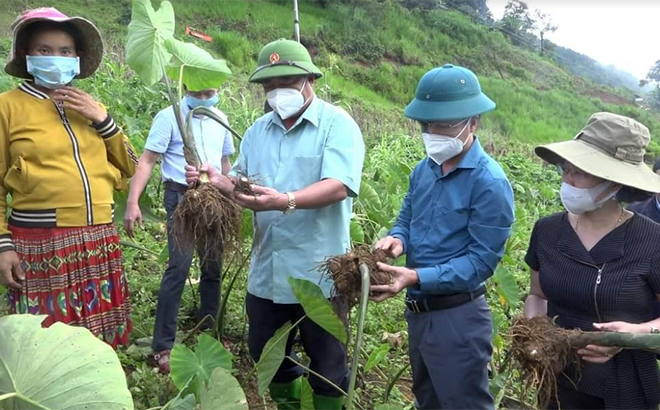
(80, 102)
(11, 273)
(264, 199)
(393, 246)
(222, 182)
(132, 217)
(401, 279)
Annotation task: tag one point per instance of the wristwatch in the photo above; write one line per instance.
(653, 328)
(291, 206)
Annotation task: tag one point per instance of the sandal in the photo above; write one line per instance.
(163, 361)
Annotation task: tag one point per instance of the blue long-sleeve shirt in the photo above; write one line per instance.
(454, 227)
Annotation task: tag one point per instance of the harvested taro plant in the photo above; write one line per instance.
(541, 351)
(205, 218)
(353, 273)
(344, 270)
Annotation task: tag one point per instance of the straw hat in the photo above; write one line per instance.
(610, 147)
(91, 43)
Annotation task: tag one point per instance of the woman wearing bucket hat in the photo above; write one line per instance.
(596, 267)
(62, 157)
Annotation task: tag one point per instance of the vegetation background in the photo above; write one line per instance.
(373, 52)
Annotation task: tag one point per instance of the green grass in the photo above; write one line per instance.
(372, 57)
(379, 51)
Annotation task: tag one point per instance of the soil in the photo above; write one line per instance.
(344, 270)
(541, 351)
(243, 185)
(207, 220)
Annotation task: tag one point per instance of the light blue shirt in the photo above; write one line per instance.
(325, 142)
(454, 226)
(212, 139)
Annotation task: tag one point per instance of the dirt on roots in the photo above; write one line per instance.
(344, 270)
(207, 220)
(541, 351)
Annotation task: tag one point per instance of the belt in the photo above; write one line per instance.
(175, 186)
(430, 303)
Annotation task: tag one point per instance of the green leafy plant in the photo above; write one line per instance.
(59, 367)
(204, 376)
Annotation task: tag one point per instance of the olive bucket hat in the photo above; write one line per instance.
(91, 43)
(448, 93)
(283, 58)
(610, 147)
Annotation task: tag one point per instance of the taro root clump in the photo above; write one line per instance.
(207, 220)
(344, 270)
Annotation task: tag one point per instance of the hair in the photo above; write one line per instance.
(629, 195)
(33, 29)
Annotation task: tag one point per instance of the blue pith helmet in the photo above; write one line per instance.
(448, 93)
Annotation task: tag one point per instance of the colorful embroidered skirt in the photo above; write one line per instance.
(75, 276)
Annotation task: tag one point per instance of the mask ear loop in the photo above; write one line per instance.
(459, 134)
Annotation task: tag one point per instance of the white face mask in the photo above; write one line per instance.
(441, 148)
(286, 102)
(580, 200)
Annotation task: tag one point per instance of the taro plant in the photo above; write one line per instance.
(58, 367)
(318, 309)
(204, 218)
(204, 376)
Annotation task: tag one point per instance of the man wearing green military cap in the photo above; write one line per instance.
(453, 226)
(308, 155)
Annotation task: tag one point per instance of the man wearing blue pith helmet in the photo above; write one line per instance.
(453, 226)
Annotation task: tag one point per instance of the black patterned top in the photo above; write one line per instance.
(616, 280)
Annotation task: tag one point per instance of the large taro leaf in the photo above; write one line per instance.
(186, 364)
(272, 357)
(187, 403)
(200, 70)
(317, 307)
(147, 32)
(507, 287)
(59, 368)
(306, 395)
(223, 392)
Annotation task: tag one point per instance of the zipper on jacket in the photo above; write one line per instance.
(81, 168)
(598, 280)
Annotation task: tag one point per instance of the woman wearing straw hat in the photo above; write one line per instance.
(61, 158)
(596, 267)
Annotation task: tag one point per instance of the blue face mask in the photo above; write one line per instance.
(196, 102)
(53, 72)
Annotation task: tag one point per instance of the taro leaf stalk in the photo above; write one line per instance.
(154, 54)
(648, 342)
(362, 314)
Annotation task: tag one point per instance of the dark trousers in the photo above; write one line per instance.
(571, 399)
(449, 353)
(327, 354)
(174, 281)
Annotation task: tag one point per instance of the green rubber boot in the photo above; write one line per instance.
(286, 395)
(327, 402)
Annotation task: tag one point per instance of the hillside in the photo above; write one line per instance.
(585, 66)
(374, 52)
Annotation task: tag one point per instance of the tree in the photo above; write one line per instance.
(653, 76)
(654, 72)
(543, 24)
(517, 24)
(421, 4)
(476, 9)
